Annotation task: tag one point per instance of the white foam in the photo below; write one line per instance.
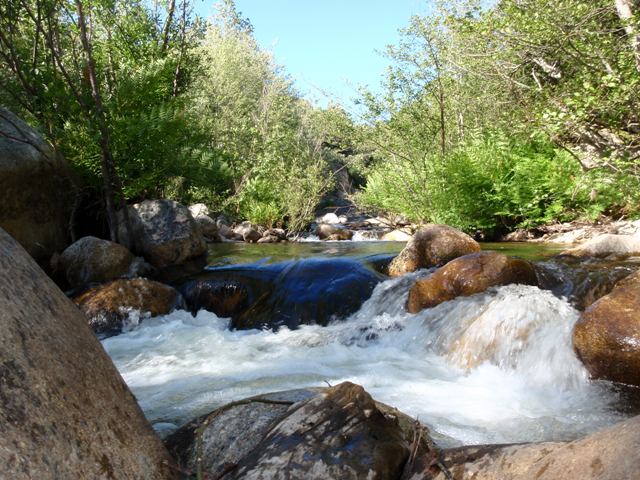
(495, 367)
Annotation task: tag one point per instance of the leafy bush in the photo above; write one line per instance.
(491, 182)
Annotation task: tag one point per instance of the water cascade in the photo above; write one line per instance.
(494, 367)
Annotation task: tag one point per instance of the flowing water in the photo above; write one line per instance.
(494, 367)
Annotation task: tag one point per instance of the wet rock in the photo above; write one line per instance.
(109, 306)
(607, 336)
(36, 190)
(93, 260)
(606, 245)
(337, 433)
(307, 291)
(432, 246)
(247, 232)
(611, 454)
(335, 231)
(396, 236)
(468, 275)
(224, 297)
(164, 232)
(340, 235)
(65, 412)
(582, 282)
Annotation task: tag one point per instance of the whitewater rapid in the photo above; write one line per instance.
(494, 367)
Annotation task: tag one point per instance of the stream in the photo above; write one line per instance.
(496, 367)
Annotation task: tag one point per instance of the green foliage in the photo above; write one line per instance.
(492, 182)
(255, 119)
(508, 115)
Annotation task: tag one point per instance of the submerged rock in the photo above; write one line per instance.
(308, 291)
(468, 275)
(65, 412)
(36, 190)
(431, 246)
(94, 260)
(108, 307)
(607, 337)
(337, 432)
(611, 454)
(164, 232)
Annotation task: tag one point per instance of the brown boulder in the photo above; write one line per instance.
(93, 260)
(607, 336)
(108, 306)
(468, 275)
(65, 412)
(36, 190)
(338, 432)
(431, 246)
(611, 454)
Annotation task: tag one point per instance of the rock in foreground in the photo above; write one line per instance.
(432, 246)
(65, 412)
(337, 433)
(469, 275)
(611, 454)
(607, 337)
(108, 307)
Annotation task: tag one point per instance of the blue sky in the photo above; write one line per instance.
(327, 45)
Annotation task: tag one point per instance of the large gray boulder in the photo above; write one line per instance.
(65, 412)
(164, 233)
(36, 191)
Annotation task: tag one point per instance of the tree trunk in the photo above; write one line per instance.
(167, 24)
(109, 174)
(625, 9)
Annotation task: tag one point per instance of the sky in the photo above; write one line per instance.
(329, 47)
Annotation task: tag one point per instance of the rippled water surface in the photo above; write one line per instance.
(494, 367)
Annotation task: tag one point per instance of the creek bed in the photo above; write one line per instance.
(491, 368)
